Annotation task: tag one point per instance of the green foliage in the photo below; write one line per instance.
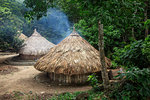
(147, 23)
(114, 64)
(111, 40)
(111, 35)
(10, 23)
(91, 95)
(134, 54)
(17, 44)
(135, 85)
(89, 33)
(66, 96)
(36, 4)
(146, 47)
(4, 12)
(118, 17)
(12, 43)
(71, 96)
(122, 19)
(4, 45)
(94, 82)
(12, 20)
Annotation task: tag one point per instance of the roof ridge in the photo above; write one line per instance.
(35, 33)
(74, 32)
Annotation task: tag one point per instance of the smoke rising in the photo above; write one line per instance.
(57, 23)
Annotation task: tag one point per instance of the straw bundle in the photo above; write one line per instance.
(22, 37)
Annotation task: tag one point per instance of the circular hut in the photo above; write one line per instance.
(35, 47)
(71, 61)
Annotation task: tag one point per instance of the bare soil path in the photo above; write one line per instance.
(4, 56)
(25, 80)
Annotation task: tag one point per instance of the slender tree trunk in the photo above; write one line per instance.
(102, 57)
(145, 19)
(133, 27)
(133, 33)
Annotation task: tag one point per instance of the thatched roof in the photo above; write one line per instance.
(22, 36)
(36, 45)
(73, 55)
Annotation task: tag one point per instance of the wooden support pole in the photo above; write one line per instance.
(102, 57)
(145, 19)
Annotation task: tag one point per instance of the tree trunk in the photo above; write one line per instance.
(133, 27)
(133, 34)
(145, 19)
(102, 57)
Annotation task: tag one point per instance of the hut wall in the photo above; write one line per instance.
(67, 79)
(75, 79)
(29, 57)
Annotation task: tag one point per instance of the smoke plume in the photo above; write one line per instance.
(57, 23)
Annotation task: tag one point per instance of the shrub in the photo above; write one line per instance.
(146, 47)
(17, 44)
(93, 79)
(134, 54)
(135, 85)
(91, 95)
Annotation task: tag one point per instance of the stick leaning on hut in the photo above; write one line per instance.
(22, 37)
(71, 61)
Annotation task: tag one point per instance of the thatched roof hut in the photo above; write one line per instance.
(35, 47)
(71, 61)
(22, 37)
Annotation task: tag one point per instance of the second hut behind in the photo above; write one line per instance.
(35, 47)
(71, 61)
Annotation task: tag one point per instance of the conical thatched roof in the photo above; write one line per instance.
(72, 56)
(22, 37)
(36, 45)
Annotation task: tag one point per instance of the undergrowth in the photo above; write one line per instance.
(89, 95)
(135, 85)
(86, 95)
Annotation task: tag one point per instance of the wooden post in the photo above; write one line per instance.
(102, 57)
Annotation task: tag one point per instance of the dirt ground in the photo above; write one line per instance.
(26, 80)
(6, 56)
(7, 69)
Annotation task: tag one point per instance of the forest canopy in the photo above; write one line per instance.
(126, 24)
(53, 27)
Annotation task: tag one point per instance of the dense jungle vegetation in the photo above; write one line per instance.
(126, 25)
(126, 34)
(12, 23)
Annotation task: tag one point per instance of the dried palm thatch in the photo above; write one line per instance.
(35, 47)
(22, 37)
(71, 61)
